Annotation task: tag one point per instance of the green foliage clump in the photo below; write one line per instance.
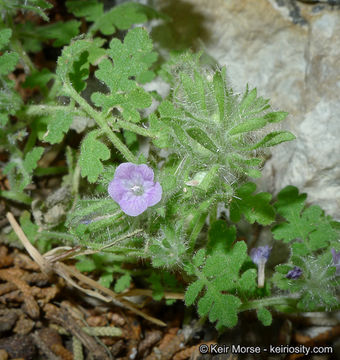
(219, 277)
(203, 142)
(206, 122)
(308, 224)
(312, 235)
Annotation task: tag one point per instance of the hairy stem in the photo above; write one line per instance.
(36, 110)
(134, 128)
(288, 301)
(28, 65)
(101, 122)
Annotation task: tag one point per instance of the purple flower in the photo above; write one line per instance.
(294, 273)
(336, 261)
(133, 188)
(261, 254)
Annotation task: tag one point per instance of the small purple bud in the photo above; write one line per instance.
(133, 188)
(336, 261)
(261, 254)
(294, 273)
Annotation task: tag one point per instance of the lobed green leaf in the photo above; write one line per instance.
(58, 125)
(307, 224)
(264, 316)
(254, 207)
(5, 35)
(92, 153)
(8, 62)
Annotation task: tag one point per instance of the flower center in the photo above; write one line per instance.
(137, 190)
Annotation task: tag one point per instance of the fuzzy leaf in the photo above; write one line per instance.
(25, 168)
(10, 102)
(35, 6)
(256, 123)
(161, 130)
(38, 78)
(62, 32)
(58, 125)
(129, 103)
(123, 283)
(274, 138)
(309, 225)
(8, 62)
(219, 88)
(247, 283)
(106, 279)
(254, 207)
(264, 316)
(90, 9)
(167, 110)
(129, 66)
(222, 308)
(30, 229)
(122, 17)
(92, 152)
(209, 178)
(85, 264)
(194, 89)
(32, 158)
(202, 138)
(80, 72)
(251, 104)
(199, 258)
(131, 59)
(221, 237)
(290, 205)
(192, 292)
(219, 273)
(5, 35)
(248, 125)
(276, 116)
(248, 99)
(71, 53)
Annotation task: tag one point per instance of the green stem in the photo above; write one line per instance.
(36, 110)
(213, 214)
(18, 48)
(101, 122)
(56, 235)
(28, 64)
(134, 128)
(75, 181)
(288, 301)
(199, 221)
(30, 142)
(55, 88)
(75, 185)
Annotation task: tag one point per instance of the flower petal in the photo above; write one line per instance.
(125, 171)
(117, 190)
(154, 194)
(133, 205)
(145, 171)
